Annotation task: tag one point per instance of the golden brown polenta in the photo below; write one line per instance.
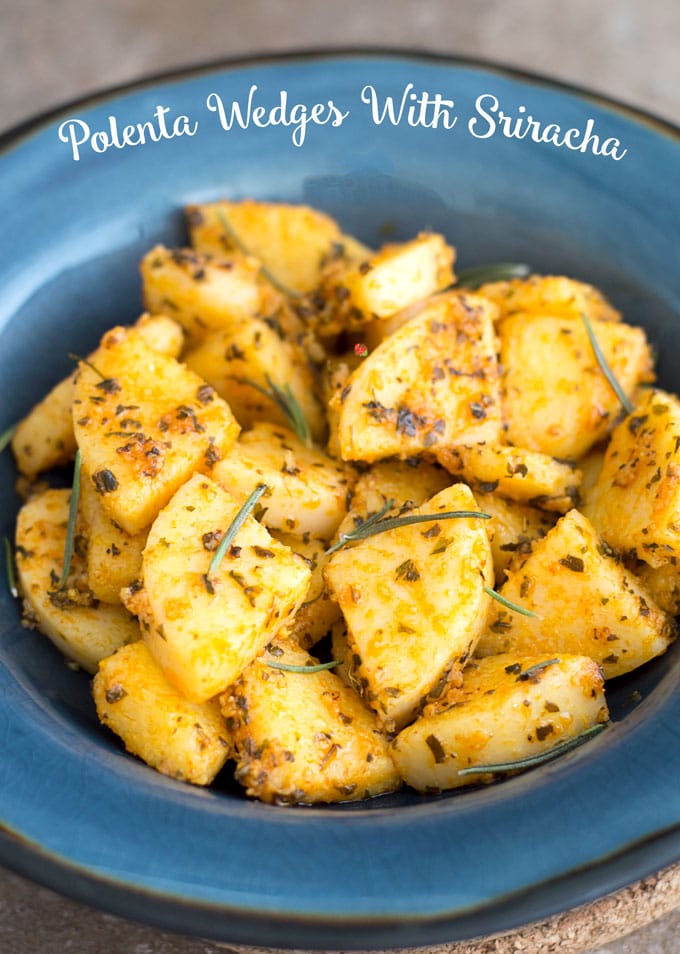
(381, 405)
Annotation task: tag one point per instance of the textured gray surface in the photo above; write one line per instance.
(54, 50)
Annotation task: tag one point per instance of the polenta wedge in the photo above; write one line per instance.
(549, 295)
(662, 583)
(415, 605)
(201, 292)
(510, 707)
(291, 241)
(519, 474)
(433, 384)
(205, 626)
(243, 361)
(306, 492)
(319, 611)
(45, 438)
(635, 503)
(79, 626)
(405, 484)
(384, 283)
(185, 740)
(304, 736)
(144, 424)
(584, 601)
(114, 557)
(564, 413)
(512, 528)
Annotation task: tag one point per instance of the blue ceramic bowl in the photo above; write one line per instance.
(80, 815)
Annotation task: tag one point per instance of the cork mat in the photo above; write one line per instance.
(574, 932)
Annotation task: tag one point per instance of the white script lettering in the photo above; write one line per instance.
(298, 116)
(490, 119)
(76, 132)
(425, 109)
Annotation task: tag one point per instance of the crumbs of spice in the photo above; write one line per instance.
(115, 693)
(437, 749)
(573, 563)
(105, 481)
(407, 571)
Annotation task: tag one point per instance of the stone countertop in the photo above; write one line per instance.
(51, 52)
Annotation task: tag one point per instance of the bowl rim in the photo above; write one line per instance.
(17, 131)
(633, 860)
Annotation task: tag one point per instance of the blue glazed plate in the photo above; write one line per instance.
(81, 816)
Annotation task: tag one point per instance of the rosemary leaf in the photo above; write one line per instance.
(378, 515)
(604, 366)
(539, 759)
(375, 524)
(317, 667)
(289, 406)
(87, 363)
(537, 667)
(11, 573)
(501, 272)
(71, 525)
(509, 604)
(286, 402)
(233, 529)
(7, 436)
(235, 239)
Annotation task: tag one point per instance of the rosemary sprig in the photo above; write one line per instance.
(537, 667)
(364, 526)
(508, 603)
(71, 525)
(7, 436)
(87, 363)
(236, 240)
(287, 403)
(289, 406)
(501, 272)
(11, 572)
(376, 524)
(604, 366)
(532, 760)
(316, 667)
(232, 530)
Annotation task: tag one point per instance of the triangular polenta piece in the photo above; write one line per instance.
(291, 241)
(585, 603)
(304, 736)
(556, 398)
(244, 360)
(202, 293)
(306, 489)
(204, 628)
(182, 739)
(549, 295)
(433, 383)
(509, 707)
(45, 438)
(386, 282)
(635, 503)
(144, 423)
(516, 473)
(414, 602)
